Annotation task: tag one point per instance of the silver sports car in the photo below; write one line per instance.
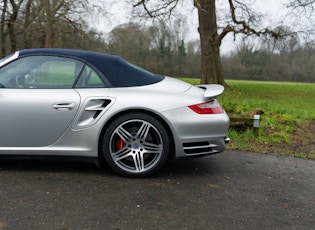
(74, 103)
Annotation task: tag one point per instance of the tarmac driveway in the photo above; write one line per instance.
(231, 190)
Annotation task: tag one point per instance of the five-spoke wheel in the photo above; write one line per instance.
(136, 145)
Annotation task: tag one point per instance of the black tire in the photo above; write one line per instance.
(136, 145)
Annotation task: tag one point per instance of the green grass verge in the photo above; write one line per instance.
(285, 106)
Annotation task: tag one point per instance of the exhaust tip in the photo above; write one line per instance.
(227, 140)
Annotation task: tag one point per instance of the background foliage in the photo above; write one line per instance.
(160, 47)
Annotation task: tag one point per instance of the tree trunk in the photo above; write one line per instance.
(2, 29)
(49, 24)
(11, 29)
(27, 22)
(210, 41)
(12, 22)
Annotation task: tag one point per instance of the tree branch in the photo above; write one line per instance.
(245, 27)
(160, 8)
(301, 3)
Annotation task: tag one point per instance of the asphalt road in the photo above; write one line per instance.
(231, 190)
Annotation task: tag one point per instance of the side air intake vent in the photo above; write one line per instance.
(92, 110)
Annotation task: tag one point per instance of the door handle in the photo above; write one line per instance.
(64, 106)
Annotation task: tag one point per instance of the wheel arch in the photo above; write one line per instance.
(156, 116)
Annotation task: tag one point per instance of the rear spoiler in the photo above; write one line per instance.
(213, 90)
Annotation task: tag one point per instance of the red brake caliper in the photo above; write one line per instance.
(120, 143)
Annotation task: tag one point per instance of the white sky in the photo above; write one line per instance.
(120, 13)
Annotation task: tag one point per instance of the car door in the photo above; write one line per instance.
(37, 101)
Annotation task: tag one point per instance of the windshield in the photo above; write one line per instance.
(8, 58)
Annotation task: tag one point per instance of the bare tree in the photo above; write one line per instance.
(10, 22)
(27, 23)
(4, 7)
(302, 3)
(241, 20)
(45, 23)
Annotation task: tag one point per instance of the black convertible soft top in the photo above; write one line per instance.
(116, 70)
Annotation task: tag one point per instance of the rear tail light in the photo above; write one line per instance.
(210, 107)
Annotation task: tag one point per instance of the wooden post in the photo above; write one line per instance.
(256, 124)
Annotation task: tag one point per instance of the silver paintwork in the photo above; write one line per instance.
(212, 90)
(33, 123)
(36, 117)
(8, 59)
(69, 122)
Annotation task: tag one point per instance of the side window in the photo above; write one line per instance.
(40, 72)
(89, 79)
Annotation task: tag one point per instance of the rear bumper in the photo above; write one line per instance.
(207, 147)
(195, 134)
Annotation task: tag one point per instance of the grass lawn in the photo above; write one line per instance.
(288, 108)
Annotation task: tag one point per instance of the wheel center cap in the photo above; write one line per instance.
(136, 145)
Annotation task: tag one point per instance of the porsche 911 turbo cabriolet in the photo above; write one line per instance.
(74, 103)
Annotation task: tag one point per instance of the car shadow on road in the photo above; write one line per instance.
(28, 165)
(184, 166)
(191, 167)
